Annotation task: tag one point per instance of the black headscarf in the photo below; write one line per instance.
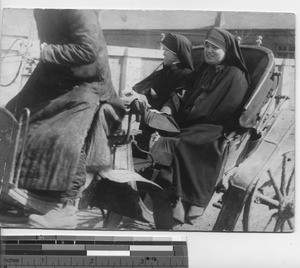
(181, 46)
(229, 44)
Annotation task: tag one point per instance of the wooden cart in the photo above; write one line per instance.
(258, 134)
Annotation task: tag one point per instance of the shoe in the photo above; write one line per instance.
(195, 212)
(62, 216)
(178, 211)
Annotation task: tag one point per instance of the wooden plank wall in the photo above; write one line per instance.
(129, 66)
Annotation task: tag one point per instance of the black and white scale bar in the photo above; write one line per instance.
(93, 251)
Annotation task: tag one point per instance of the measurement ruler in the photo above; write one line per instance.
(93, 251)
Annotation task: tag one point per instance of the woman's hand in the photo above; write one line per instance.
(129, 96)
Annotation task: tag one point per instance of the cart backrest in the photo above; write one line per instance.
(260, 63)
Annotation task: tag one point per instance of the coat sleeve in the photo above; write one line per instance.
(82, 43)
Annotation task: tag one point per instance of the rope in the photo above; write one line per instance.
(15, 77)
(19, 67)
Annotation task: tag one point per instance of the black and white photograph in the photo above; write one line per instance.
(148, 120)
(184, 123)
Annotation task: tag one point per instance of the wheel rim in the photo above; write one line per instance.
(274, 200)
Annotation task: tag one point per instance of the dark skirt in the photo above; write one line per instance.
(195, 162)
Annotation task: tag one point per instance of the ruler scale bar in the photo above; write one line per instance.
(96, 261)
(93, 251)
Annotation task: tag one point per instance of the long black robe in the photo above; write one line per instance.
(161, 84)
(195, 156)
(64, 95)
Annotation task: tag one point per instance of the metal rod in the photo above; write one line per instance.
(271, 100)
(24, 119)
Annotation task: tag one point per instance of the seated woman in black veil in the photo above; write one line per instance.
(175, 74)
(172, 78)
(190, 160)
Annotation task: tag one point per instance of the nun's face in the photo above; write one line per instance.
(213, 54)
(169, 57)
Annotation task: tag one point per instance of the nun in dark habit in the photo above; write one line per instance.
(175, 74)
(173, 78)
(190, 160)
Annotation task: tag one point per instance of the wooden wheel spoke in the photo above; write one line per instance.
(283, 175)
(277, 191)
(290, 223)
(282, 226)
(278, 224)
(273, 217)
(290, 182)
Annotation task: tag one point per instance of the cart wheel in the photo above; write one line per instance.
(270, 208)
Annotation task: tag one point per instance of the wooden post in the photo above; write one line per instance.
(123, 72)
